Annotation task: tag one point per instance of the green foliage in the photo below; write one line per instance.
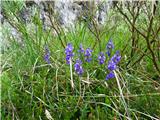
(30, 86)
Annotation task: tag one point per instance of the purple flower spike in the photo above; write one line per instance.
(108, 53)
(47, 55)
(81, 49)
(69, 52)
(101, 58)
(88, 54)
(110, 76)
(78, 67)
(109, 47)
(116, 58)
(111, 65)
(110, 44)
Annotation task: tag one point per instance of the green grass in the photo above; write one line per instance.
(30, 86)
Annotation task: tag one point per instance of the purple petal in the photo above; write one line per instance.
(110, 76)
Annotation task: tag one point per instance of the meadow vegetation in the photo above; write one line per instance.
(35, 86)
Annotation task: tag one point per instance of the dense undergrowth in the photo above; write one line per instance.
(33, 89)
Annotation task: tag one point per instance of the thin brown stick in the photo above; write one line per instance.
(55, 29)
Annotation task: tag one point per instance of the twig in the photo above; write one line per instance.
(149, 45)
(55, 29)
(130, 21)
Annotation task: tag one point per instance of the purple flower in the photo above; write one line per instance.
(110, 44)
(69, 52)
(78, 67)
(116, 57)
(109, 47)
(47, 55)
(108, 53)
(101, 58)
(88, 54)
(111, 65)
(81, 49)
(110, 75)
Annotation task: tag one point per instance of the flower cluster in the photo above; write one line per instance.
(112, 64)
(88, 54)
(69, 52)
(47, 55)
(116, 58)
(109, 47)
(78, 67)
(101, 58)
